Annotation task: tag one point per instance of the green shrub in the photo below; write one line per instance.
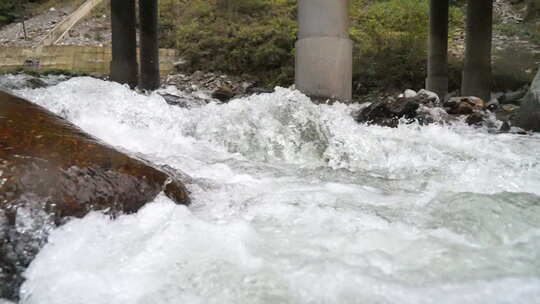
(391, 42)
(236, 36)
(8, 11)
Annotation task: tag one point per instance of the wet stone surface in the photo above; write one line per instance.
(426, 108)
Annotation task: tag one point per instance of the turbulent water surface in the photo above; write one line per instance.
(297, 203)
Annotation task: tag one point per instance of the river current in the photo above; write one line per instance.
(297, 203)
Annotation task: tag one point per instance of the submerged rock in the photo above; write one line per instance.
(50, 172)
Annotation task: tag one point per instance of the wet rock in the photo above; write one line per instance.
(388, 112)
(223, 87)
(426, 108)
(223, 94)
(509, 108)
(475, 119)
(422, 107)
(429, 98)
(464, 105)
(171, 99)
(493, 105)
(35, 83)
(51, 171)
(187, 102)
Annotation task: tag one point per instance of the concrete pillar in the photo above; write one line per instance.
(477, 69)
(437, 80)
(124, 43)
(323, 67)
(149, 56)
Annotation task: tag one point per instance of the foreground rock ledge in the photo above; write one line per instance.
(51, 171)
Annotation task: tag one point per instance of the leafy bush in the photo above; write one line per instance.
(391, 42)
(8, 11)
(235, 36)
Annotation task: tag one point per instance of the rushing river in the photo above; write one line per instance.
(297, 203)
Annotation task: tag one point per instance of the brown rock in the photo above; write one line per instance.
(223, 94)
(464, 105)
(51, 171)
(509, 108)
(475, 119)
(388, 112)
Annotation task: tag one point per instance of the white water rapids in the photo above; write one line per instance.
(297, 203)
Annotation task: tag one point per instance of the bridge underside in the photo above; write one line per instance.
(323, 66)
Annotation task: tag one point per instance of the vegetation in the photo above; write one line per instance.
(8, 11)
(257, 37)
(234, 36)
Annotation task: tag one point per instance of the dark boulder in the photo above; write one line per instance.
(188, 101)
(475, 119)
(223, 94)
(51, 171)
(389, 112)
(464, 105)
(426, 108)
(528, 115)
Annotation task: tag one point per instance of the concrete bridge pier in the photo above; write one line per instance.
(437, 74)
(149, 55)
(477, 68)
(323, 67)
(124, 67)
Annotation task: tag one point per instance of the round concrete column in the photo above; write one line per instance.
(477, 68)
(149, 56)
(437, 80)
(323, 67)
(124, 68)
(323, 18)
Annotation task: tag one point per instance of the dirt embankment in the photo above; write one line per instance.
(94, 29)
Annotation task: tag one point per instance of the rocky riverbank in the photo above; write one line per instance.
(425, 107)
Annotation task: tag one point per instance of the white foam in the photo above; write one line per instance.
(297, 203)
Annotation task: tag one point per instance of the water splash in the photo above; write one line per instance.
(297, 203)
